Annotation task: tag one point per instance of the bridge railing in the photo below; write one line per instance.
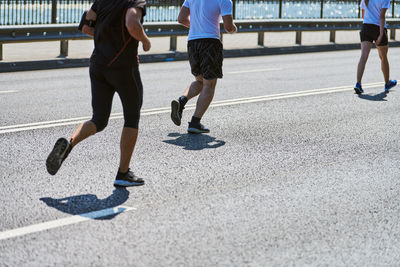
(27, 12)
(65, 32)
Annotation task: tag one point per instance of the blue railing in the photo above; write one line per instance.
(25, 12)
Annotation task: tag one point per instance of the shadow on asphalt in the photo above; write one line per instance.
(194, 141)
(80, 204)
(377, 97)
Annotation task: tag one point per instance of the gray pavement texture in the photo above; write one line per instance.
(304, 181)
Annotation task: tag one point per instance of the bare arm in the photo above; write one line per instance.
(382, 20)
(229, 25)
(135, 28)
(90, 15)
(184, 17)
(363, 13)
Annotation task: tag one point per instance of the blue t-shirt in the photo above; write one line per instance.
(373, 10)
(205, 16)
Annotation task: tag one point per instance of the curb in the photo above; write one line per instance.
(177, 56)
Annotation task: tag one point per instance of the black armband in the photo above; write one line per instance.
(84, 21)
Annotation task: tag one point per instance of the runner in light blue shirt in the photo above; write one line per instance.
(203, 17)
(374, 29)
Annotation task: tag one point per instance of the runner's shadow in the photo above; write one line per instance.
(80, 204)
(377, 97)
(194, 141)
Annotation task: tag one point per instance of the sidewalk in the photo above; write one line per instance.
(243, 44)
(83, 48)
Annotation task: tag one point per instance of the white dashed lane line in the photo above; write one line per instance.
(155, 111)
(63, 222)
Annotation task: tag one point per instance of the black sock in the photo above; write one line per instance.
(195, 120)
(183, 100)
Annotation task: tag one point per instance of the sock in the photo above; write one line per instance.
(183, 100)
(195, 120)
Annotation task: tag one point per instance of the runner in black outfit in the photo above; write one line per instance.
(117, 29)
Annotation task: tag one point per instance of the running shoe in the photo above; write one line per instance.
(127, 179)
(197, 128)
(176, 112)
(389, 85)
(60, 152)
(358, 89)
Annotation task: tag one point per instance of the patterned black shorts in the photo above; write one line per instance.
(370, 33)
(205, 57)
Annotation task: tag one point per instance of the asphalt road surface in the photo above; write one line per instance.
(297, 169)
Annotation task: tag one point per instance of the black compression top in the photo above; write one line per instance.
(114, 47)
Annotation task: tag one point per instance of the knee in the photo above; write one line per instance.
(199, 78)
(100, 124)
(132, 123)
(383, 57)
(132, 120)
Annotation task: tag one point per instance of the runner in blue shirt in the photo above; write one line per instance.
(374, 29)
(202, 17)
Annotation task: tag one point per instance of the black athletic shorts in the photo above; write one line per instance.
(205, 57)
(370, 33)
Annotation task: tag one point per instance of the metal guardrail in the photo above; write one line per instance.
(65, 32)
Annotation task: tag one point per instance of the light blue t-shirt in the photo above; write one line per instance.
(205, 16)
(373, 10)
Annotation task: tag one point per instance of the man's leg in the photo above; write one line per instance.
(102, 95)
(130, 90)
(194, 88)
(83, 131)
(205, 98)
(365, 49)
(127, 145)
(177, 106)
(203, 102)
(383, 50)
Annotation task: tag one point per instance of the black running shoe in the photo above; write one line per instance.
(176, 112)
(127, 179)
(57, 156)
(197, 128)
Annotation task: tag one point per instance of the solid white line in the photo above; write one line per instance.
(249, 71)
(156, 111)
(62, 222)
(8, 92)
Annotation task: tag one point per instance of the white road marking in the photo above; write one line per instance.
(249, 71)
(155, 111)
(8, 92)
(62, 222)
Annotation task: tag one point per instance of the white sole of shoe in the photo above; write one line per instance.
(197, 131)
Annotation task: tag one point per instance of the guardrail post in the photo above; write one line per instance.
(234, 9)
(63, 48)
(298, 37)
(393, 3)
(332, 36)
(322, 9)
(261, 38)
(1, 51)
(54, 11)
(280, 9)
(172, 43)
(393, 34)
